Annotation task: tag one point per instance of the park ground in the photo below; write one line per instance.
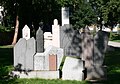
(112, 60)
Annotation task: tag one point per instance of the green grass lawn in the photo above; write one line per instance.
(116, 40)
(6, 65)
(112, 60)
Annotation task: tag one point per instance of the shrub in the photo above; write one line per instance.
(5, 29)
(6, 35)
(4, 71)
(114, 36)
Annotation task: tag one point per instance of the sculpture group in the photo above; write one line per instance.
(41, 57)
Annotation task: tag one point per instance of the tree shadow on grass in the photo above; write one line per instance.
(112, 60)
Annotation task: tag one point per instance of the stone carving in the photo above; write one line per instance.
(39, 40)
(56, 34)
(70, 41)
(51, 50)
(26, 32)
(24, 51)
(65, 15)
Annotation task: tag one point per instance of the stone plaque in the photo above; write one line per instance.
(52, 62)
(56, 51)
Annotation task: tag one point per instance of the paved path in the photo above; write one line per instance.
(114, 44)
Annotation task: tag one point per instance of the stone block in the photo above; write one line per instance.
(30, 52)
(70, 41)
(42, 59)
(72, 69)
(40, 41)
(24, 51)
(53, 50)
(65, 15)
(37, 74)
(19, 53)
(39, 61)
(87, 46)
(47, 74)
(47, 39)
(56, 34)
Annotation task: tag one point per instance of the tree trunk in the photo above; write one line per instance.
(16, 31)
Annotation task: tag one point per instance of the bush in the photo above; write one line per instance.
(114, 36)
(4, 71)
(5, 29)
(6, 35)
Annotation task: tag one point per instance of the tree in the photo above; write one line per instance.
(16, 4)
(107, 10)
(86, 12)
(82, 13)
(30, 12)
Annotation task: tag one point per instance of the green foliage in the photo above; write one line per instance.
(5, 29)
(83, 15)
(6, 35)
(2, 28)
(4, 71)
(114, 36)
(108, 10)
(6, 67)
(82, 12)
(62, 63)
(116, 41)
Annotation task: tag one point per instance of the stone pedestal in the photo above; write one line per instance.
(38, 74)
(49, 60)
(39, 61)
